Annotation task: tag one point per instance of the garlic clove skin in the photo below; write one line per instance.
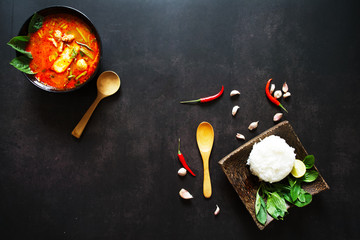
(217, 210)
(277, 94)
(234, 93)
(287, 94)
(240, 136)
(234, 110)
(253, 125)
(182, 172)
(272, 88)
(185, 194)
(285, 87)
(277, 117)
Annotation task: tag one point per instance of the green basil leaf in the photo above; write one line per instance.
(260, 208)
(295, 190)
(271, 208)
(310, 176)
(287, 197)
(73, 53)
(309, 161)
(262, 215)
(19, 43)
(263, 204)
(36, 23)
(308, 199)
(280, 187)
(292, 181)
(301, 196)
(276, 206)
(273, 211)
(22, 64)
(257, 203)
(266, 187)
(279, 202)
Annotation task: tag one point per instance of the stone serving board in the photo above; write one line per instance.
(246, 184)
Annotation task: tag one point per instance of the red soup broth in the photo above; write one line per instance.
(65, 52)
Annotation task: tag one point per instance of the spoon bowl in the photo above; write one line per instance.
(107, 84)
(205, 140)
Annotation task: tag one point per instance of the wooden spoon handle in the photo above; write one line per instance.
(84, 120)
(207, 190)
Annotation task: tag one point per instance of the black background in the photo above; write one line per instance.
(119, 181)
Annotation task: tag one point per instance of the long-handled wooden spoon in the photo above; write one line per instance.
(205, 140)
(108, 83)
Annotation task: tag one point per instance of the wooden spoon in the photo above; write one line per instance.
(108, 83)
(205, 140)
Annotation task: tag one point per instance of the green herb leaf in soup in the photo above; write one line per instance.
(35, 23)
(86, 52)
(19, 44)
(73, 53)
(22, 63)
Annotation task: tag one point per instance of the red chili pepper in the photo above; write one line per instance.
(206, 99)
(270, 97)
(182, 160)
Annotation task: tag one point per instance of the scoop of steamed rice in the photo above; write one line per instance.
(272, 159)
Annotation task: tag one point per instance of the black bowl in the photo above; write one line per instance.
(55, 10)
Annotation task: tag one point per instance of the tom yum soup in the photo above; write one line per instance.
(65, 53)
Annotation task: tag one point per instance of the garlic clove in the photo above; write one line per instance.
(287, 94)
(285, 87)
(185, 194)
(277, 117)
(240, 136)
(253, 125)
(234, 93)
(234, 110)
(272, 88)
(182, 172)
(217, 210)
(277, 94)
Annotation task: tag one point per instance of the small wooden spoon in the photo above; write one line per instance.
(108, 83)
(205, 140)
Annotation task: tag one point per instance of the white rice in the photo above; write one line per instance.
(272, 159)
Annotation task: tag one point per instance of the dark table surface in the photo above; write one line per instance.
(119, 181)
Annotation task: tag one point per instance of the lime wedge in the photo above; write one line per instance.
(299, 169)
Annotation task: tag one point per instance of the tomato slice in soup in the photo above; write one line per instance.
(65, 52)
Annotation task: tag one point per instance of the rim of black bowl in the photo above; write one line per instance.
(54, 10)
